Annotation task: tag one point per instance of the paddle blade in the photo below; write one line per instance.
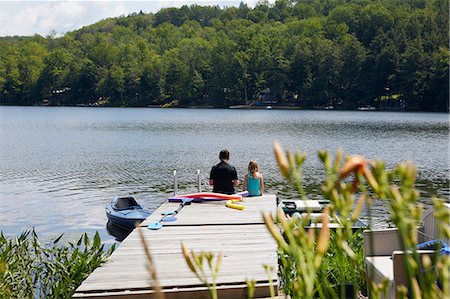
(243, 193)
(166, 213)
(169, 219)
(155, 225)
(187, 201)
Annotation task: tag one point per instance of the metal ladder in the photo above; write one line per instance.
(175, 182)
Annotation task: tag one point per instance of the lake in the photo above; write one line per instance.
(60, 166)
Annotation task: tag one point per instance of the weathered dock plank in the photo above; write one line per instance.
(210, 226)
(215, 212)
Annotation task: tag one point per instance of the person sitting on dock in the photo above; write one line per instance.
(223, 176)
(253, 180)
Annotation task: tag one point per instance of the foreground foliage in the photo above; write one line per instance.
(349, 185)
(341, 53)
(29, 269)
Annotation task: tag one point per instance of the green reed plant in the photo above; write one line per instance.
(347, 200)
(342, 196)
(301, 254)
(30, 269)
(396, 187)
(156, 286)
(17, 279)
(338, 268)
(251, 283)
(350, 184)
(204, 265)
(269, 271)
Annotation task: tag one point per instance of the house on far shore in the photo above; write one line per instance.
(392, 102)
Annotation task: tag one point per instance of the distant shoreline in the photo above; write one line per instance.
(243, 107)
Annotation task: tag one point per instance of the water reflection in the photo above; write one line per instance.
(117, 231)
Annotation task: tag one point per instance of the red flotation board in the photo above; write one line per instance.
(208, 196)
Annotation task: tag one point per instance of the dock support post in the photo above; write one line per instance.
(175, 184)
(199, 181)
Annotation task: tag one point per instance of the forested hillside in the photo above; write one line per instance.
(311, 53)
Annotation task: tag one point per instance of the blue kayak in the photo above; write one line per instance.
(126, 212)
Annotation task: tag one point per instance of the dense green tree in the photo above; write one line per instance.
(195, 53)
(10, 81)
(303, 10)
(437, 96)
(176, 78)
(153, 80)
(281, 10)
(54, 81)
(31, 64)
(412, 74)
(225, 82)
(84, 83)
(345, 53)
(350, 80)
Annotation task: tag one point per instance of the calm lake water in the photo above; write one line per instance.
(60, 166)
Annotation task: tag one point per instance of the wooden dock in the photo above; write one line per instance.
(208, 226)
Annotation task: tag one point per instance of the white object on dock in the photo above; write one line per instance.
(175, 183)
(304, 205)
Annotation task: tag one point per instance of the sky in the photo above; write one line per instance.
(26, 18)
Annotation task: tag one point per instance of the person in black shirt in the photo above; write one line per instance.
(223, 176)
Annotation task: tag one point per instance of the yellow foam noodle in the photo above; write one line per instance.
(230, 204)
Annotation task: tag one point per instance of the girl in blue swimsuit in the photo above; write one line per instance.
(253, 180)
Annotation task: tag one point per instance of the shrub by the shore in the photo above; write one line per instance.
(30, 269)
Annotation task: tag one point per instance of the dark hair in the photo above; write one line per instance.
(224, 155)
(253, 166)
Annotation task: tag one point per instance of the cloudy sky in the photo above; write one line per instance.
(42, 17)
